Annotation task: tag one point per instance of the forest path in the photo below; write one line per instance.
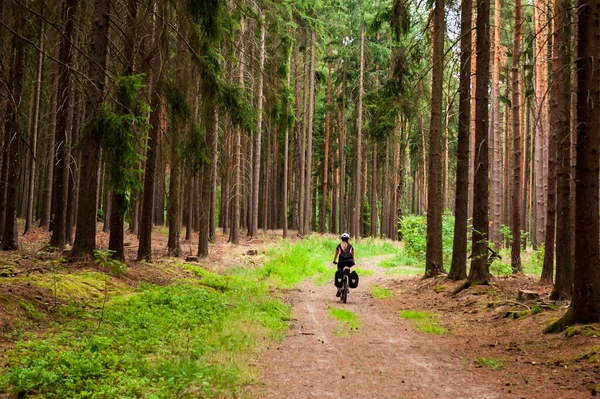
(385, 358)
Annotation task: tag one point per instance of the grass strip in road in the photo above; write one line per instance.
(424, 322)
(348, 321)
(490, 363)
(379, 292)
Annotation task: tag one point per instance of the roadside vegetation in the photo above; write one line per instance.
(106, 334)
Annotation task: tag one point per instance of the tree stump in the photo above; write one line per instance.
(525, 295)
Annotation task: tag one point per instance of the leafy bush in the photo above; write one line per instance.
(414, 232)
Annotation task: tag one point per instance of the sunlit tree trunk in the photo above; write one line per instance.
(309, 139)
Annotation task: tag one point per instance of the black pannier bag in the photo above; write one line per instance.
(353, 280)
(339, 278)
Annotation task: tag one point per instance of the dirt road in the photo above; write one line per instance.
(385, 358)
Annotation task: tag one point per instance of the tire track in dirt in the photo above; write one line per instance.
(385, 358)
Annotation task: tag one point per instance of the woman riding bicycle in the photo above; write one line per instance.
(345, 252)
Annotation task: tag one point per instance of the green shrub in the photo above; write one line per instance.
(413, 229)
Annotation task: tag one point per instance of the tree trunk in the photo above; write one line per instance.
(49, 169)
(253, 228)
(480, 273)
(561, 126)
(323, 218)
(10, 238)
(174, 202)
(541, 117)
(434, 260)
(34, 134)
(156, 117)
(311, 105)
(458, 269)
(496, 169)
(61, 173)
(237, 157)
(211, 123)
(357, 214)
(585, 307)
(212, 214)
(516, 127)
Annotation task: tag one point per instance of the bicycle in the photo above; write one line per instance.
(345, 289)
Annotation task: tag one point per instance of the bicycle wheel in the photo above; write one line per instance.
(344, 295)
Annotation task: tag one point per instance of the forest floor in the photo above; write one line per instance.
(399, 336)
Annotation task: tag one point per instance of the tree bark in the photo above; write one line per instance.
(308, 200)
(10, 238)
(496, 169)
(237, 156)
(561, 124)
(61, 173)
(34, 134)
(434, 259)
(480, 273)
(159, 61)
(516, 127)
(323, 218)
(585, 307)
(253, 230)
(458, 269)
(541, 117)
(357, 214)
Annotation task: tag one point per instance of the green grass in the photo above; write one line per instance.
(380, 292)
(490, 363)
(195, 338)
(179, 340)
(348, 321)
(424, 322)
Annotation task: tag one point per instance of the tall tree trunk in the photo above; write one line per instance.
(585, 307)
(342, 145)
(496, 170)
(174, 202)
(253, 230)
(34, 134)
(541, 117)
(210, 120)
(212, 215)
(480, 273)
(561, 126)
(157, 115)
(285, 190)
(357, 214)
(311, 108)
(61, 173)
(323, 218)
(10, 238)
(516, 127)
(237, 157)
(458, 269)
(49, 169)
(434, 259)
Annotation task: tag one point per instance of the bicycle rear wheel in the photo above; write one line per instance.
(344, 295)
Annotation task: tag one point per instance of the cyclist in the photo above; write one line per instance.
(345, 252)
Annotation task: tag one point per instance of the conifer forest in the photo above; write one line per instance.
(175, 175)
